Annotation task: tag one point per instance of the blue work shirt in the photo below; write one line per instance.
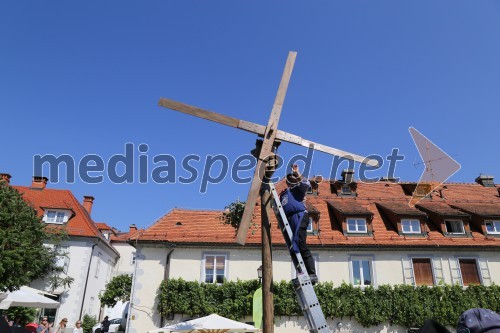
(292, 200)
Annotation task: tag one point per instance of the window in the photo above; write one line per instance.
(215, 268)
(492, 227)
(470, 274)
(454, 227)
(361, 273)
(310, 228)
(132, 258)
(98, 264)
(346, 189)
(56, 216)
(356, 225)
(63, 258)
(422, 270)
(410, 226)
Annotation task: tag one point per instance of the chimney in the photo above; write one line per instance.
(39, 182)
(132, 228)
(347, 175)
(389, 179)
(485, 180)
(5, 177)
(88, 201)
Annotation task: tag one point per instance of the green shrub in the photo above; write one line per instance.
(403, 305)
(87, 323)
(27, 315)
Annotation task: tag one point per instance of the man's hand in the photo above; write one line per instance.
(296, 172)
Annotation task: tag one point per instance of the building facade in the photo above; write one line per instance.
(89, 257)
(360, 233)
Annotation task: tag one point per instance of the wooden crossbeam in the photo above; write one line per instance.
(270, 133)
(260, 130)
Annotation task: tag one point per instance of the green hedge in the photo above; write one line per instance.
(403, 305)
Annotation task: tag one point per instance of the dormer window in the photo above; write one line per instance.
(56, 216)
(410, 226)
(346, 189)
(492, 227)
(356, 225)
(454, 227)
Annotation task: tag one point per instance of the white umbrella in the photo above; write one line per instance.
(26, 297)
(212, 323)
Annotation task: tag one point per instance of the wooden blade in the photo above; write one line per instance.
(212, 116)
(252, 197)
(292, 138)
(266, 150)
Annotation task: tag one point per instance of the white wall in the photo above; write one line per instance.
(101, 271)
(71, 298)
(124, 264)
(149, 273)
(333, 266)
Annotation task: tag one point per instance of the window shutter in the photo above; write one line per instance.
(485, 271)
(470, 272)
(437, 267)
(408, 271)
(456, 275)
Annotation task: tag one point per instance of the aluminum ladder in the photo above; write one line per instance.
(304, 290)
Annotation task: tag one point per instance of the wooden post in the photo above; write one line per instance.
(267, 254)
(267, 263)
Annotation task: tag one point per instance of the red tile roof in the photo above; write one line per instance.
(483, 210)
(80, 224)
(441, 208)
(348, 206)
(197, 227)
(123, 237)
(400, 208)
(103, 226)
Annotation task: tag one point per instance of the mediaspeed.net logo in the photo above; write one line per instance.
(135, 165)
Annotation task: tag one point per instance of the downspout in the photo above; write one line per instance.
(166, 274)
(132, 290)
(87, 279)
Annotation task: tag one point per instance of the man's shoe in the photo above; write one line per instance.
(296, 283)
(313, 278)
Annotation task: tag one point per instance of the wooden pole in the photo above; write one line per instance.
(267, 263)
(267, 255)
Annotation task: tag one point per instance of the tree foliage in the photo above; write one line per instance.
(24, 257)
(27, 315)
(233, 213)
(118, 289)
(88, 322)
(403, 305)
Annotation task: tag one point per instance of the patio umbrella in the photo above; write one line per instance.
(210, 324)
(25, 297)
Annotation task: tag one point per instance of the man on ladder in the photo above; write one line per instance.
(292, 200)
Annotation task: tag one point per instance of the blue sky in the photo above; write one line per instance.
(85, 78)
